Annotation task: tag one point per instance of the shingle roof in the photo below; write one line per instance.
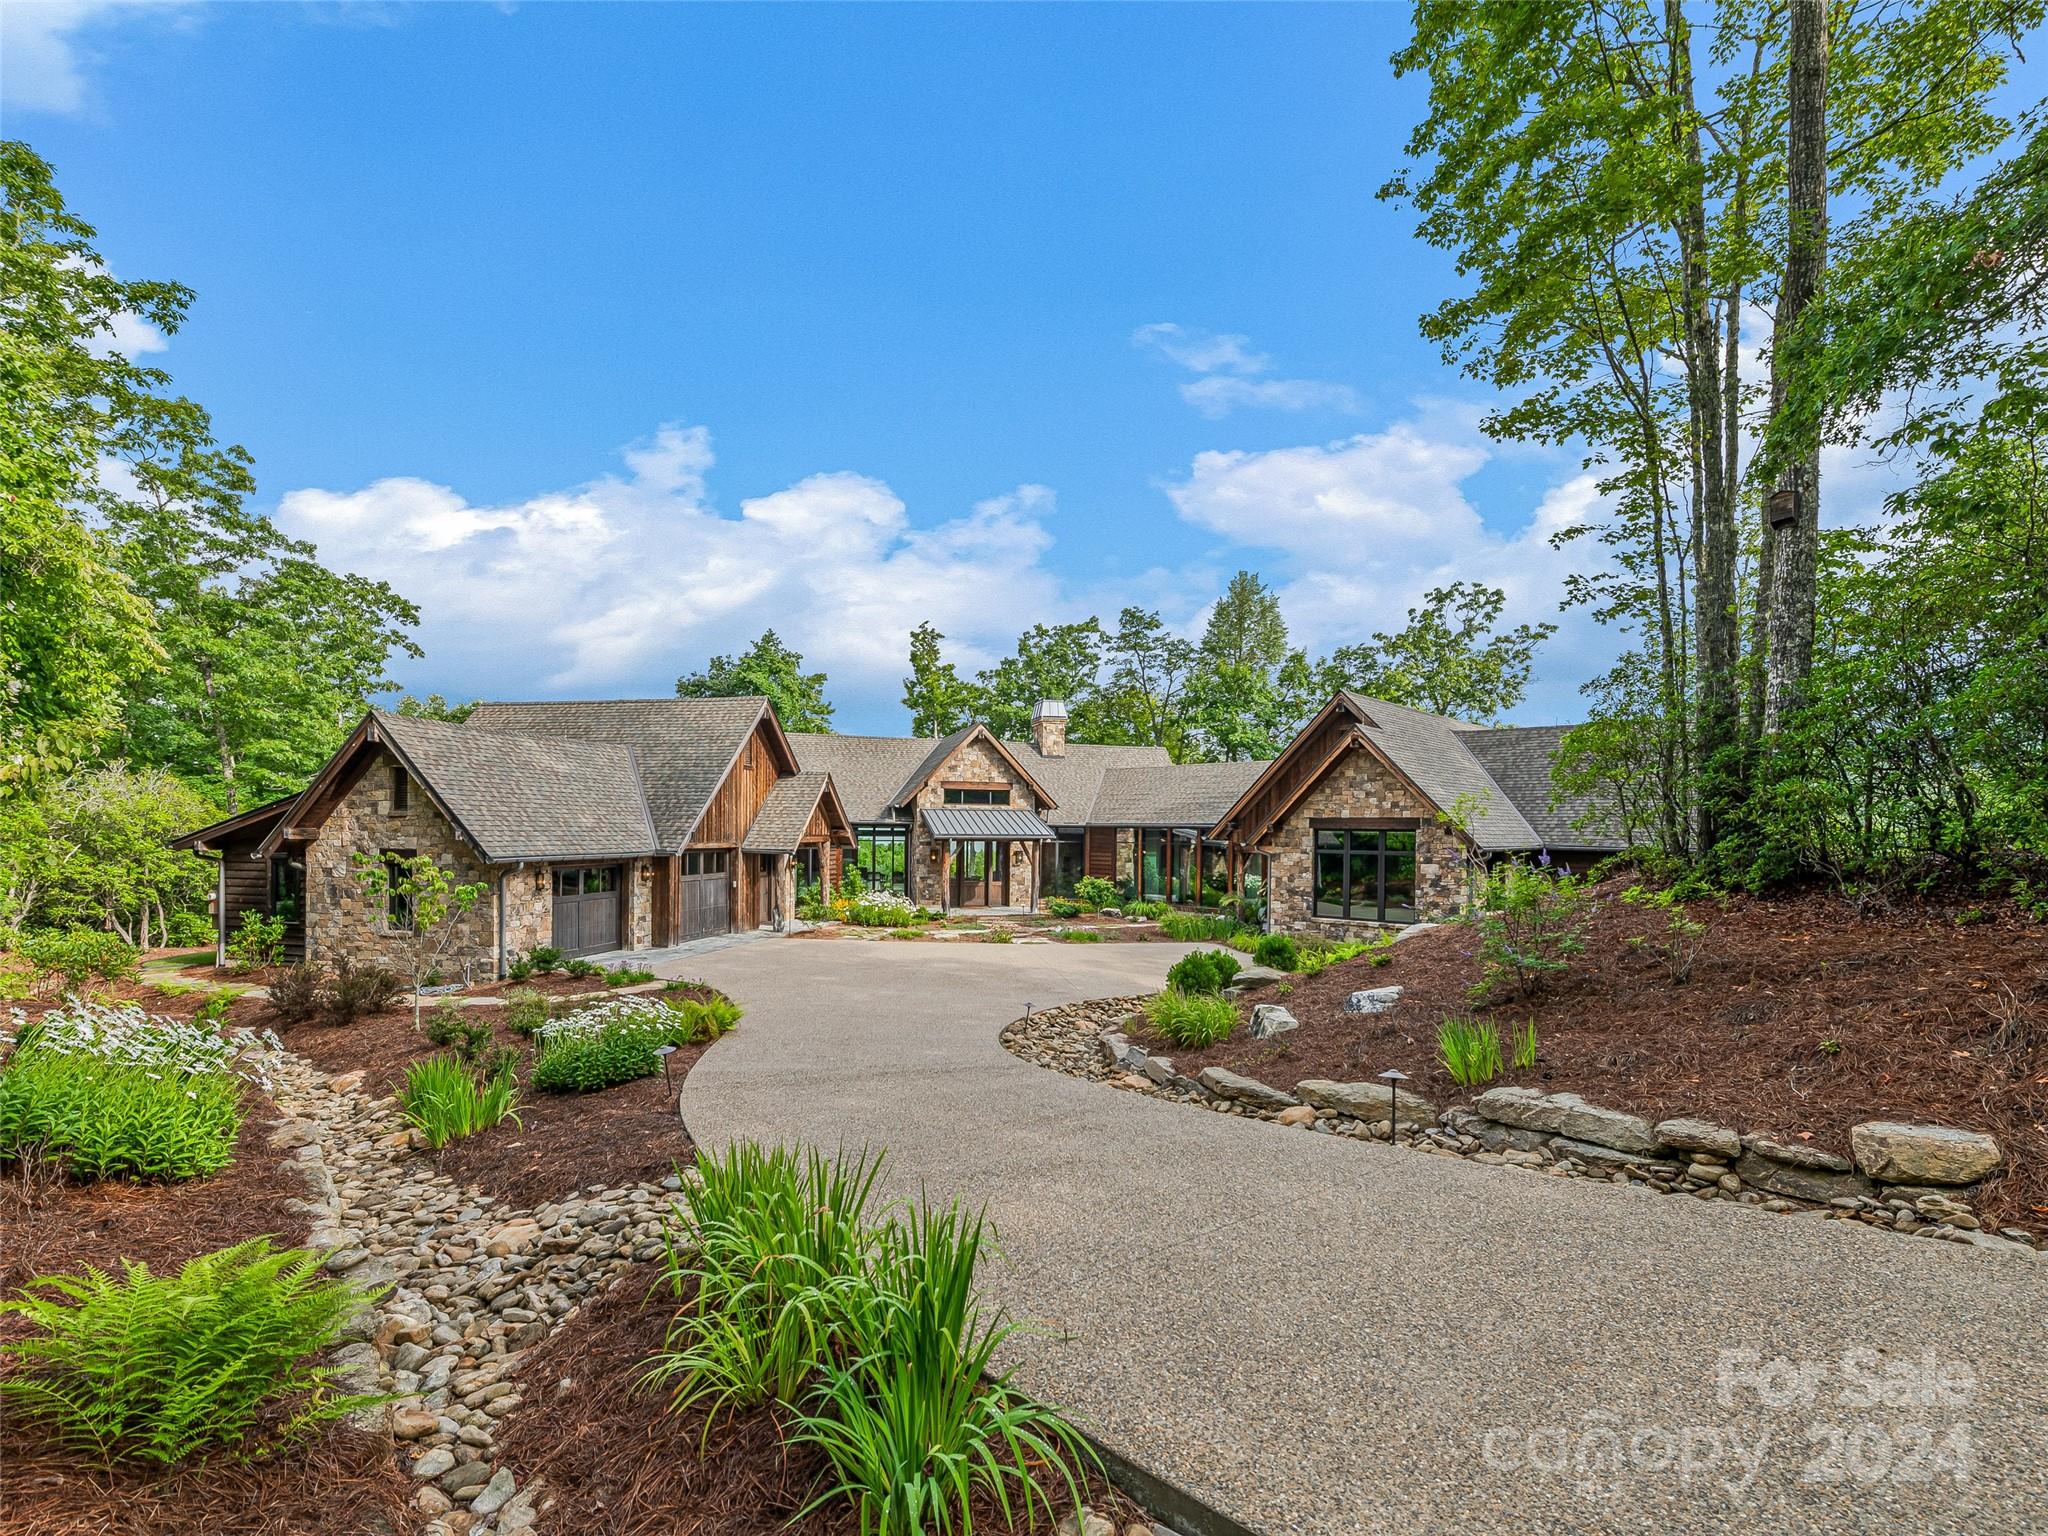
(870, 771)
(1178, 795)
(1076, 781)
(1518, 759)
(521, 797)
(684, 746)
(1431, 750)
(866, 770)
(785, 813)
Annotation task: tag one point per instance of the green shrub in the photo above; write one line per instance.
(1094, 891)
(1277, 951)
(1679, 945)
(543, 958)
(1060, 906)
(1078, 935)
(1192, 1019)
(356, 991)
(1150, 911)
(625, 976)
(913, 1412)
(297, 993)
(1000, 936)
(526, 1011)
(445, 1098)
(154, 1368)
(519, 968)
(1313, 956)
(456, 1028)
(1206, 970)
(1530, 925)
(77, 955)
(1470, 1050)
(619, 1039)
(1199, 927)
(118, 1093)
(258, 942)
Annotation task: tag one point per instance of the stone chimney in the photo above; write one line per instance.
(1049, 727)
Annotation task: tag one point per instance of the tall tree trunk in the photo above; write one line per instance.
(1715, 629)
(1795, 562)
(220, 733)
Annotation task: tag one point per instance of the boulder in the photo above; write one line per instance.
(1596, 1155)
(1296, 1114)
(1801, 1181)
(1364, 1101)
(1491, 1134)
(495, 1493)
(437, 1461)
(1226, 1084)
(1253, 975)
(1797, 1154)
(1372, 1000)
(1270, 1021)
(1699, 1136)
(1160, 1070)
(1566, 1114)
(1923, 1154)
(1113, 1046)
(413, 1423)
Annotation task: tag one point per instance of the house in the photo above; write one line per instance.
(634, 824)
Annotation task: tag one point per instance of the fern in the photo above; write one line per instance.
(154, 1368)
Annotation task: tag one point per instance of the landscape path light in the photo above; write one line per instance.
(1393, 1077)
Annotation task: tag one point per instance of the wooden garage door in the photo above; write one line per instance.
(587, 909)
(704, 904)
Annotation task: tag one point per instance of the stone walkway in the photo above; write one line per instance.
(676, 954)
(1320, 1335)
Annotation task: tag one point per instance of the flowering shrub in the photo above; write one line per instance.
(876, 909)
(616, 1040)
(117, 1092)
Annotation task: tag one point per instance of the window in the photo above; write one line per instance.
(881, 857)
(401, 789)
(978, 796)
(397, 905)
(705, 861)
(287, 887)
(1365, 874)
(1068, 864)
(1155, 849)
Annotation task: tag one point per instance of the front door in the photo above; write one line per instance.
(981, 874)
(587, 909)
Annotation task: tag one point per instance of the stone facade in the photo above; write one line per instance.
(344, 919)
(973, 762)
(1358, 785)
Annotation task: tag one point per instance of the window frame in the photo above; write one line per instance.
(1362, 854)
(868, 836)
(975, 794)
(398, 908)
(401, 790)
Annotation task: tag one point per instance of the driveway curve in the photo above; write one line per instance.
(1313, 1334)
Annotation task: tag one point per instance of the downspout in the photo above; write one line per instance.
(220, 913)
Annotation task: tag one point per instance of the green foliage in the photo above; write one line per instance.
(619, 1039)
(1277, 951)
(940, 701)
(153, 1368)
(1449, 660)
(1191, 1019)
(1059, 906)
(257, 942)
(1470, 1050)
(772, 670)
(92, 850)
(1679, 941)
(526, 1010)
(297, 993)
(432, 903)
(544, 958)
(1150, 911)
(461, 1030)
(1078, 935)
(357, 990)
(1522, 1045)
(1199, 927)
(1094, 891)
(117, 1093)
(1530, 925)
(626, 976)
(445, 1098)
(1313, 956)
(1052, 661)
(1206, 970)
(77, 955)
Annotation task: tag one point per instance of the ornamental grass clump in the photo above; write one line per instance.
(620, 1038)
(1191, 1019)
(153, 1368)
(1470, 1050)
(865, 1332)
(445, 1099)
(1200, 927)
(115, 1092)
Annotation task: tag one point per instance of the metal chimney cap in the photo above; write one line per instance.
(1049, 709)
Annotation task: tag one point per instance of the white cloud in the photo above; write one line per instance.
(44, 63)
(131, 335)
(630, 580)
(1230, 370)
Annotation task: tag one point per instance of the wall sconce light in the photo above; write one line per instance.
(1783, 507)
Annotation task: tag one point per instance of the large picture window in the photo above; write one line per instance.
(881, 857)
(1365, 874)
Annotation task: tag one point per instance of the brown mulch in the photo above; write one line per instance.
(338, 1482)
(562, 1142)
(247, 1012)
(1801, 1019)
(618, 1462)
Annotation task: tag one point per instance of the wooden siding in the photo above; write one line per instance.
(734, 806)
(1304, 761)
(246, 880)
(1098, 853)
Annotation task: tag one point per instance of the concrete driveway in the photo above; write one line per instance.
(1320, 1335)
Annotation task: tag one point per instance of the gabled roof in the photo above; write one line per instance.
(946, 746)
(242, 821)
(511, 797)
(870, 771)
(1518, 758)
(1178, 795)
(786, 811)
(1431, 750)
(865, 769)
(1079, 779)
(685, 747)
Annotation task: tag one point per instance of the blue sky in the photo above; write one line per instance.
(614, 334)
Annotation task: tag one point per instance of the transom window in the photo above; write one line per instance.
(1365, 874)
(595, 881)
(881, 857)
(978, 796)
(704, 861)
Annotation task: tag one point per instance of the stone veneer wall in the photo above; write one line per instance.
(530, 903)
(1358, 785)
(972, 762)
(343, 919)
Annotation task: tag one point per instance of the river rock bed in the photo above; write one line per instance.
(1556, 1135)
(475, 1284)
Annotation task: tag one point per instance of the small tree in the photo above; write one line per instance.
(1466, 808)
(1530, 925)
(426, 906)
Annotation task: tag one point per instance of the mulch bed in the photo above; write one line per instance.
(337, 1481)
(1801, 1019)
(563, 1142)
(619, 1463)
